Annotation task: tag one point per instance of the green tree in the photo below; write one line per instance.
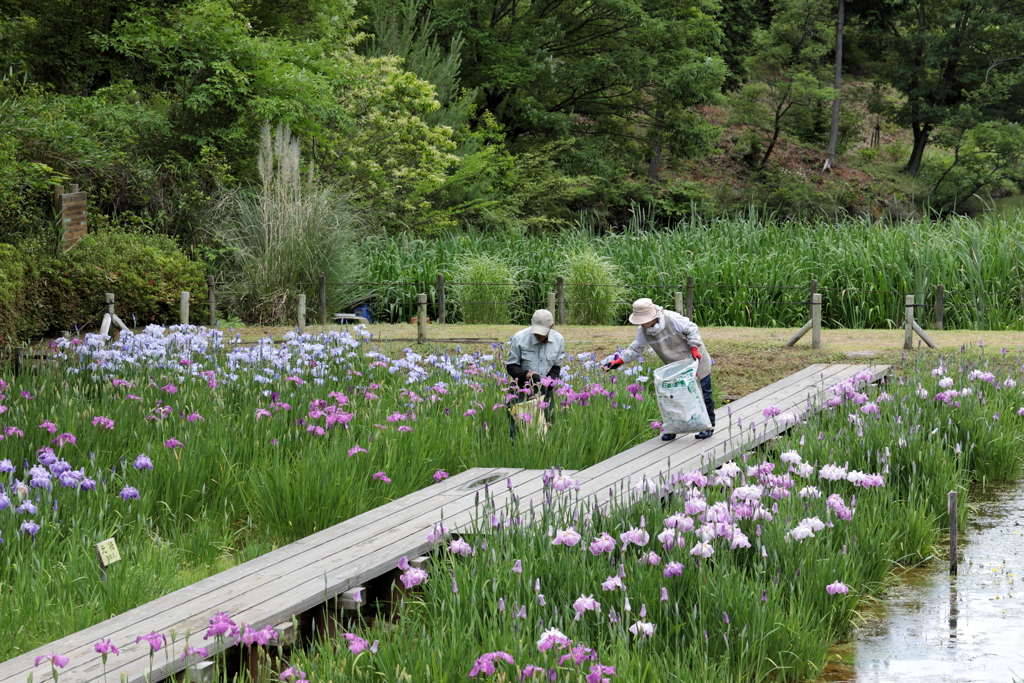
(607, 72)
(789, 72)
(943, 54)
(364, 118)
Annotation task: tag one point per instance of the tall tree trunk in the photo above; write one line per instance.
(921, 134)
(654, 168)
(833, 138)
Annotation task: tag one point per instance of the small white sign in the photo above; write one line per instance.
(107, 552)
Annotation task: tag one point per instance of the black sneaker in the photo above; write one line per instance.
(667, 437)
(705, 434)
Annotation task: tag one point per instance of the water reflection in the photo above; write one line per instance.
(937, 627)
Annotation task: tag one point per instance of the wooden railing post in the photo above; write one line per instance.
(689, 298)
(813, 287)
(323, 300)
(940, 305)
(816, 321)
(211, 284)
(421, 319)
(441, 319)
(183, 308)
(908, 322)
(560, 289)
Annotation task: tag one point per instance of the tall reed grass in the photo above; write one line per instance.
(485, 288)
(755, 271)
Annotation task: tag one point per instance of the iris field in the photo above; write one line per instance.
(196, 451)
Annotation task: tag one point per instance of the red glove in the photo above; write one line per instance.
(612, 364)
(695, 352)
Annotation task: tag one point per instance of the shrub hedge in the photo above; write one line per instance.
(42, 293)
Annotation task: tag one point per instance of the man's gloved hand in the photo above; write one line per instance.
(695, 352)
(614, 363)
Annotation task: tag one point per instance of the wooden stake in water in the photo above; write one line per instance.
(952, 509)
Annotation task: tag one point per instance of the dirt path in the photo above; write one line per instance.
(746, 358)
(605, 339)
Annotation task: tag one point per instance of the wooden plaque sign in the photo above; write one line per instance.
(73, 217)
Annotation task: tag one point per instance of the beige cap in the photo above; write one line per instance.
(542, 322)
(644, 311)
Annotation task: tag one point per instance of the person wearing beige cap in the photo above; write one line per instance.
(537, 351)
(673, 337)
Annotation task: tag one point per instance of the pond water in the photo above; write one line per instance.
(1007, 207)
(957, 629)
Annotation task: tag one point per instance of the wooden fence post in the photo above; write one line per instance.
(814, 290)
(679, 303)
(323, 300)
(441, 319)
(421, 319)
(183, 308)
(816, 321)
(952, 509)
(302, 313)
(211, 284)
(689, 298)
(560, 289)
(551, 302)
(108, 315)
(908, 322)
(940, 305)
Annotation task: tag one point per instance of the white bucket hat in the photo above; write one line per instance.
(542, 322)
(644, 311)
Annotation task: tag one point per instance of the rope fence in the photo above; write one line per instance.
(321, 302)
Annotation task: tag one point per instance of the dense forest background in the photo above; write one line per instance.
(261, 139)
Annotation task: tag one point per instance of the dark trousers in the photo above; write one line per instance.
(705, 387)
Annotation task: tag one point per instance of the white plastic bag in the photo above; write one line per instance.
(680, 398)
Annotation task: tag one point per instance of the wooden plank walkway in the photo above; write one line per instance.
(303, 575)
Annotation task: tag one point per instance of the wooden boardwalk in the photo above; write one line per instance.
(302, 576)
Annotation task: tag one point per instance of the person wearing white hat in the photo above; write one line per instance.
(673, 337)
(537, 351)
